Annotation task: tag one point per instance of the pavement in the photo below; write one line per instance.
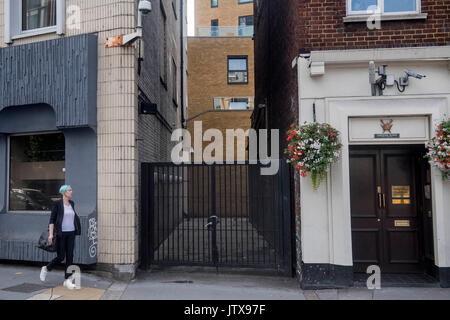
(21, 282)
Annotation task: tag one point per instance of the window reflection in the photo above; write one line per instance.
(38, 14)
(36, 171)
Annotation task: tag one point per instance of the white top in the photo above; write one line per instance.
(68, 220)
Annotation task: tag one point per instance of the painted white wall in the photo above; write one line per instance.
(342, 92)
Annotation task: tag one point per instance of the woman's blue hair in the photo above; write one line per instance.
(64, 188)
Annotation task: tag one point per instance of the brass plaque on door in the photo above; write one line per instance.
(401, 201)
(402, 223)
(401, 192)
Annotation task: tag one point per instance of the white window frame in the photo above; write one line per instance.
(380, 4)
(13, 21)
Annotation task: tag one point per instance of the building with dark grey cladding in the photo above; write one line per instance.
(73, 111)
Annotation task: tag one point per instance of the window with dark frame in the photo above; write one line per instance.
(246, 21)
(214, 3)
(238, 70)
(245, 25)
(37, 165)
(244, 1)
(215, 28)
(38, 14)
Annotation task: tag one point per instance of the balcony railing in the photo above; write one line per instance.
(233, 31)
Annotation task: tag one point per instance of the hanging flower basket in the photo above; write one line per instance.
(312, 149)
(438, 154)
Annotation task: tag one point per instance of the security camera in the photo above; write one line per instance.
(145, 6)
(404, 81)
(411, 73)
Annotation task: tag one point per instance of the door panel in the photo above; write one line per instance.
(402, 246)
(366, 229)
(364, 177)
(400, 211)
(400, 187)
(386, 229)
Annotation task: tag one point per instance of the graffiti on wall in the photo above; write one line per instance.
(92, 234)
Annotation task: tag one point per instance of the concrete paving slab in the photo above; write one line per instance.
(76, 294)
(412, 294)
(355, 294)
(211, 286)
(310, 295)
(327, 294)
(155, 291)
(115, 291)
(44, 296)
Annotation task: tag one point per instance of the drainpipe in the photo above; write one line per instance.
(183, 125)
(7, 15)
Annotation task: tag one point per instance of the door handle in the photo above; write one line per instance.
(384, 201)
(380, 195)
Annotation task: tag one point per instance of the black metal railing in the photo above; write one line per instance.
(215, 215)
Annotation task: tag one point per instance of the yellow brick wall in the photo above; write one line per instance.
(228, 12)
(222, 120)
(207, 68)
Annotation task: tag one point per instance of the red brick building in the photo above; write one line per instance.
(311, 63)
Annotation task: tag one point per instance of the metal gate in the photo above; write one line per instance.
(216, 215)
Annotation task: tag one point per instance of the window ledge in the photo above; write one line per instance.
(390, 17)
(33, 33)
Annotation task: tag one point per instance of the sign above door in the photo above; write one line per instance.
(388, 130)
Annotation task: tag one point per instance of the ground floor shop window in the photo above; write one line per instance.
(37, 165)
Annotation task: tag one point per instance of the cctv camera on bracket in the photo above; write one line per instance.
(404, 81)
(388, 80)
(144, 8)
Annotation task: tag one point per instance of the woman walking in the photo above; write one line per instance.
(64, 225)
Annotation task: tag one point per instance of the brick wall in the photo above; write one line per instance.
(208, 75)
(228, 12)
(283, 29)
(155, 144)
(320, 26)
(275, 48)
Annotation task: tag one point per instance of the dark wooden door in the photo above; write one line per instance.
(386, 225)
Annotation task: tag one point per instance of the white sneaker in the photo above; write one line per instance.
(72, 280)
(44, 272)
(68, 284)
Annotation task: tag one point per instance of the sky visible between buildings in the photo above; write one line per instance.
(191, 17)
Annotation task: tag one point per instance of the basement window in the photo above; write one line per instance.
(27, 18)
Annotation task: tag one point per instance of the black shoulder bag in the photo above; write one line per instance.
(43, 242)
